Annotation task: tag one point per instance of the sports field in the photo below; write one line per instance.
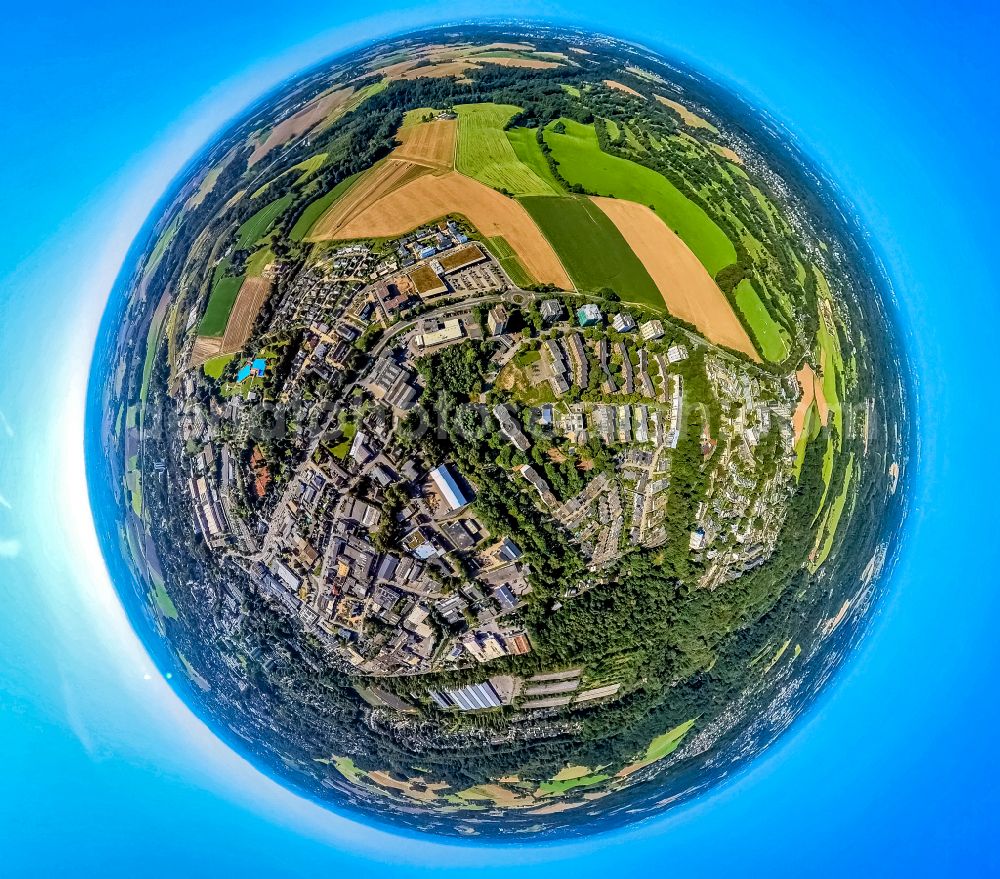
(685, 287)
(582, 161)
(594, 252)
(315, 209)
(487, 155)
(767, 332)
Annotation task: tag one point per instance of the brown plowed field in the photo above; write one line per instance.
(310, 115)
(378, 181)
(428, 143)
(429, 197)
(688, 290)
(253, 292)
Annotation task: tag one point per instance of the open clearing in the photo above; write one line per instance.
(594, 252)
(687, 289)
(299, 123)
(428, 143)
(582, 161)
(767, 332)
(826, 534)
(251, 297)
(526, 148)
(692, 120)
(387, 208)
(257, 225)
(486, 154)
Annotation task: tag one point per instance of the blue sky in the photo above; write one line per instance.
(896, 771)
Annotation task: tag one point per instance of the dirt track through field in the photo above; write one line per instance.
(431, 196)
(428, 143)
(688, 290)
(251, 297)
(310, 115)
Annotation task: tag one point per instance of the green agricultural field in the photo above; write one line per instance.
(592, 249)
(220, 305)
(770, 341)
(164, 602)
(582, 161)
(257, 226)
(827, 533)
(485, 153)
(307, 167)
(571, 90)
(526, 148)
(162, 243)
(315, 209)
(810, 429)
(831, 358)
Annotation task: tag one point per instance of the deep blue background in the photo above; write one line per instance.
(895, 772)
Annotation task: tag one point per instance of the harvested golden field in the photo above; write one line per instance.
(727, 153)
(205, 348)
(253, 292)
(530, 63)
(308, 117)
(428, 143)
(688, 290)
(429, 197)
(687, 117)
(620, 86)
(812, 389)
(379, 180)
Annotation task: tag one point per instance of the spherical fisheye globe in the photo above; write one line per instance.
(499, 431)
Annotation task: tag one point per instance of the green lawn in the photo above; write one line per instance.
(770, 342)
(315, 209)
(257, 226)
(592, 249)
(486, 154)
(571, 90)
(214, 367)
(582, 161)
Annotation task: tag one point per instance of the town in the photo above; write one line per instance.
(296, 473)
